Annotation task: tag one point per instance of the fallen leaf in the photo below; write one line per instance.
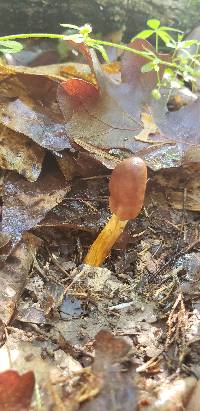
(182, 126)
(109, 117)
(181, 187)
(194, 402)
(85, 208)
(28, 106)
(25, 203)
(79, 164)
(114, 119)
(16, 390)
(14, 273)
(19, 153)
(149, 128)
(117, 391)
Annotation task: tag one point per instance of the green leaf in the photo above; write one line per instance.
(86, 29)
(77, 38)
(9, 46)
(188, 43)
(170, 29)
(143, 35)
(180, 37)
(153, 23)
(164, 36)
(148, 67)
(102, 50)
(172, 45)
(70, 26)
(168, 73)
(156, 94)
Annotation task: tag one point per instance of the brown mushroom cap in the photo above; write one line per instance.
(127, 188)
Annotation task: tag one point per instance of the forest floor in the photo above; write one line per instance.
(124, 336)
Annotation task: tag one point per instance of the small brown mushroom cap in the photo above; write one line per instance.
(127, 188)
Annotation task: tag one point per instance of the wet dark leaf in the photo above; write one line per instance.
(25, 204)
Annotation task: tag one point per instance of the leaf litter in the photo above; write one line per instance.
(124, 336)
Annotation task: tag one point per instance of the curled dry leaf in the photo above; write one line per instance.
(19, 153)
(16, 390)
(80, 164)
(28, 105)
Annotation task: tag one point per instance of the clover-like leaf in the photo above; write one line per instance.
(148, 67)
(153, 23)
(8, 46)
(143, 34)
(165, 37)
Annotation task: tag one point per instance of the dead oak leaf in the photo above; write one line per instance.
(28, 105)
(113, 121)
(25, 204)
(182, 126)
(149, 128)
(19, 153)
(109, 117)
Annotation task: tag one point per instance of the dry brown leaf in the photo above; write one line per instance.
(28, 105)
(19, 153)
(181, 186)
(175, 396)
(149, 128)
(117, 391)
(194, 403)
(14, 273)
(16, 390)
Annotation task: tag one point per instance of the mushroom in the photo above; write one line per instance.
(127, 189)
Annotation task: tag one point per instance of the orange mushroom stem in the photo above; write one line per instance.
(127, 189)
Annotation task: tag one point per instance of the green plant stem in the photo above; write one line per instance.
(89, 43)
(63, 37)
(123, 47)
(156, 42)
(132, 50)
(33, 35)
